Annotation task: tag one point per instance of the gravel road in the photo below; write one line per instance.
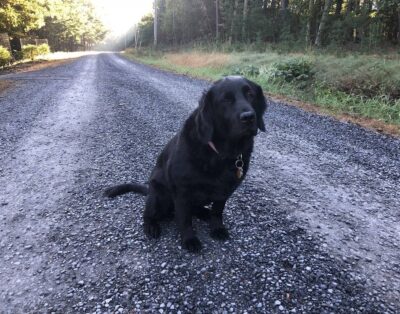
(317, 228)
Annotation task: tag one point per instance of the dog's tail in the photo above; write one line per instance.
(126, 188)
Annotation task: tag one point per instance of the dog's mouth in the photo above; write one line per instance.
(250, 131)
(249, 127)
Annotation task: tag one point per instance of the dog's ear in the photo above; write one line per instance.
(204, 119)
(260, 104)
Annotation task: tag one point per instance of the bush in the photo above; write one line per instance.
(298, 70)
(248, 70)
(360, 75)
(5, 56)
(43, 49)
(30, 52)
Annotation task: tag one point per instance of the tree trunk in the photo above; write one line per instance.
(398, 23)
(233, 21)
(245, 13)
(310, 22)
(207, 18)
(349, 29)
(155, 22)
(339, 5)
(265, 7)
(217, 19)
(322, 24)
(173, 26)
(136, 36)
(273, 6)
(364, 30)
(283, 11)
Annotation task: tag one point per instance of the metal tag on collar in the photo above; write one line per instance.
(239, 166)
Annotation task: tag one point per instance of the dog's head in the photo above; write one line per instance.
(231, 109)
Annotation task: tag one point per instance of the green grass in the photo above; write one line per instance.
(366, 86)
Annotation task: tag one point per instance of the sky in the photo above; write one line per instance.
(119, 15)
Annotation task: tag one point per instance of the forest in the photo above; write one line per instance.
(68, 25)
(339, 56)
(366, 24)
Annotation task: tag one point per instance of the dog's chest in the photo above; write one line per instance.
(223, 179)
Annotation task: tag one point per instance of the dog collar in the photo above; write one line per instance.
(238, 163)
(211, 144)
(239, 166)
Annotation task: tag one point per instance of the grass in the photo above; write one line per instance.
(363, 88)
(200, 65)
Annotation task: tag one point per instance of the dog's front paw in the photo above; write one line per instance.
(220, 233)
(192, 244)
(153, 230)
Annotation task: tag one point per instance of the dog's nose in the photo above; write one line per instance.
(248, 116)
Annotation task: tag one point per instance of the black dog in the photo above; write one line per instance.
(205, 162)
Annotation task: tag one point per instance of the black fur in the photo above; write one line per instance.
(189, 174)
(125, 188)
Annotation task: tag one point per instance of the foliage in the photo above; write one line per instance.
(72, 25)
(329, 84)
(366, 76)
(43, 49)
(146, 26)
(291, 70)
(365, 24)
(17, 17)
(30, 52)
(247, 70)
(33, 51)
(67, 24)
(5, 56)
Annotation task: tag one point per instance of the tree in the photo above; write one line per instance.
(72, 25)
(310, 22)
(322, 24)
(155, 22)
(319, 22)
(17, 17)
(235, 7)
(245, 13)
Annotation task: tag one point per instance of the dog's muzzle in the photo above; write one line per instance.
(248, 117)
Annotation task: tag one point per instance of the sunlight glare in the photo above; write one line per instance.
(119, 15)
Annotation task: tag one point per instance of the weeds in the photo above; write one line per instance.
(364, 86)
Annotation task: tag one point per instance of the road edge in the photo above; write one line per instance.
(369, 124)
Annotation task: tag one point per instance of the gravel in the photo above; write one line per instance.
(314, 228)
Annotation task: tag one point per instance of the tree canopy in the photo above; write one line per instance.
(310, 22)
(18, 17)
(67, 24)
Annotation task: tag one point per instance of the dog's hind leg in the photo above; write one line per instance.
(151, 217)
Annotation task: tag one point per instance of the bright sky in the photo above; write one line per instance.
(119, 15)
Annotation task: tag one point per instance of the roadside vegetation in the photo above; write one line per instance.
(31, 52)
(68, 25)
(5, 56)
(29, 29)
(340, 56)
(28, 54)
(359, 85)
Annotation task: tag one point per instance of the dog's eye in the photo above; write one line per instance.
(250, 95)
(228, 99)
